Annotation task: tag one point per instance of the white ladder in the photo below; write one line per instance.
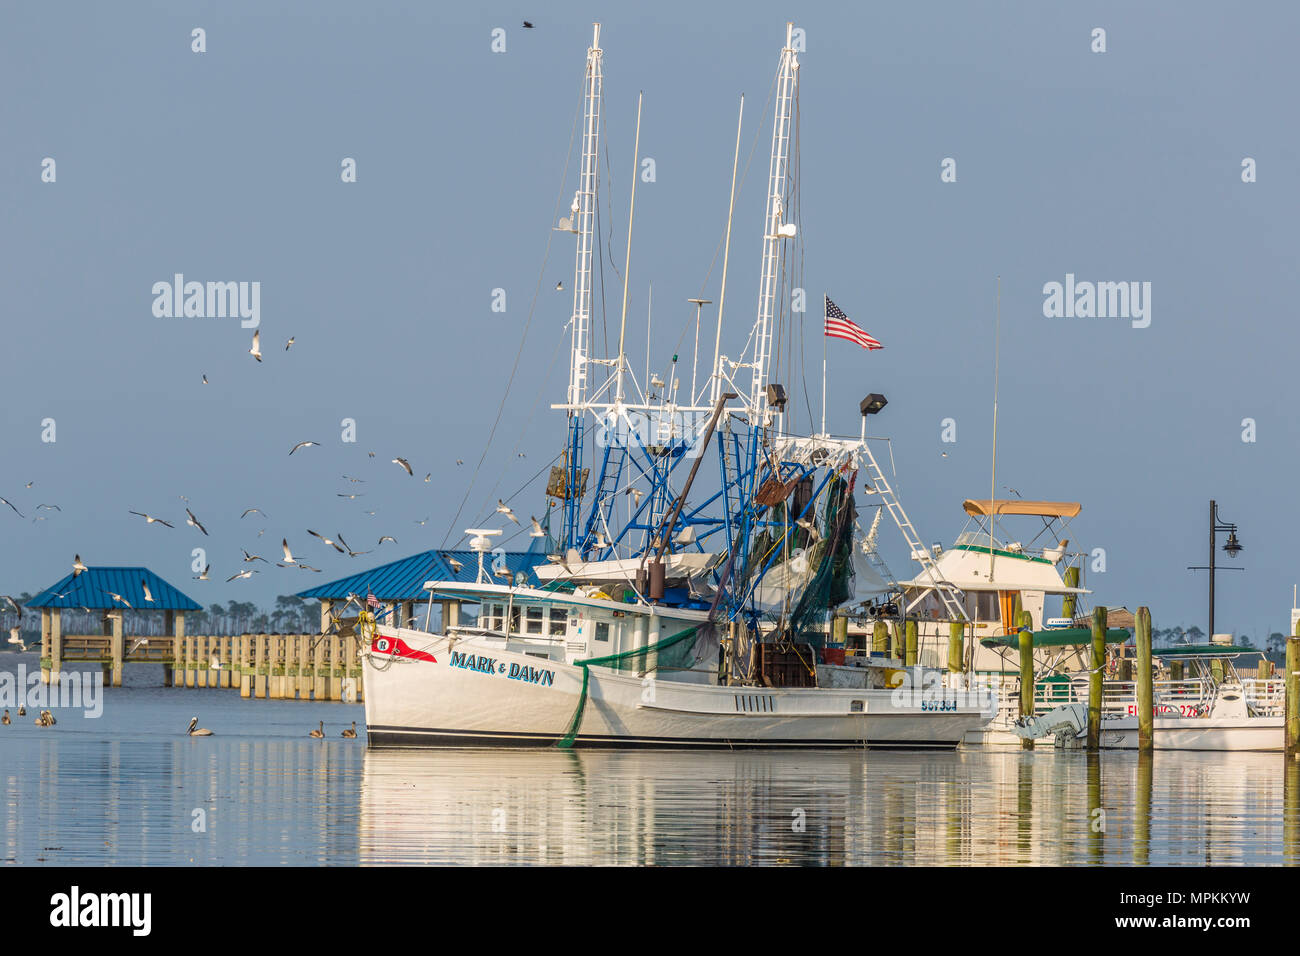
(920, 552)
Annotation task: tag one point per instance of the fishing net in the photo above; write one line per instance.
(650, 657)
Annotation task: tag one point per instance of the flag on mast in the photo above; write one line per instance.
(840, 326)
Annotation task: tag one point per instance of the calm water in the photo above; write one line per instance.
(124, 789)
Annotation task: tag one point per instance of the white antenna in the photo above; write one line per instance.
(774, 227)
(581, 223)
(726, 252)
(627, 261)
(993, 486)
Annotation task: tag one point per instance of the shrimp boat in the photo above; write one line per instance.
(680, 606)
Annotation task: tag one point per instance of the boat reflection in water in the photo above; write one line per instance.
(469, 806)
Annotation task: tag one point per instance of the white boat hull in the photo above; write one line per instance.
(1168, 733)
(471, 695)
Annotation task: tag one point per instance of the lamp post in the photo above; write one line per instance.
(1232, 547)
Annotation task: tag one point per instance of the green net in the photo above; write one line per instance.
(832, 557)
(650, 657)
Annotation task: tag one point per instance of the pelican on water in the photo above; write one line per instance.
(196, 731)
(346, 733)
(319, 732)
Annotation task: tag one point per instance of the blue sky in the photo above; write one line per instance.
(225, 165)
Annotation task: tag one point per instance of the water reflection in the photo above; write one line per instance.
(829, 807)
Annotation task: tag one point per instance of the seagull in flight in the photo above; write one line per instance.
(454, 564)
(405, 464)
(387, 537)
(205, 380)
(349, 496)
(240, 574)
(11, 505)
(249, 511)
(150, 519)
(204, 575)
(504, 509)
(348, 547)
(302, 444)
(289, 343)
(537, 531)
(350, 478)
(49, 507)
(147, 596)
(288, 555)
(326, 540)
(117, 597)
(190, 519)
(250, 558)
(256, 350)
(77, 566)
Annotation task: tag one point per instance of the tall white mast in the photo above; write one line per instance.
(583, 210)
(774, 228)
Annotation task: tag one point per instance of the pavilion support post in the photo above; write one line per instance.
(1145, 699)
(118, 648)
(47, 646)
(106, 666)
(169, 629)
(1095, 676)
(326, 607)
(191, 678)
(213, 655)
(1026, 641)
(56, 644)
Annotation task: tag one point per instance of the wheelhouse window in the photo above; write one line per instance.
(602, 631)
(559, 623)
(535, 620)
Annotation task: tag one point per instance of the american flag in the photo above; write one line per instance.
(371, 599)
(840, 326)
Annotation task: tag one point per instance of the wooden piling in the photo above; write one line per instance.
(1095, 676)
(1262, 670)
(1175, 670)
(956, 646)
(351, 670)
(319, 680)
(336, 667)
(1069, 602)
(245, 665)
(1145, 698)
(117, 647)
(261, 666)
(1291, 812)
(1142, 807)
(276, 691)
(1026, 642)
(879, 638)
(191, 676)
(228, 663)
(1293, 695)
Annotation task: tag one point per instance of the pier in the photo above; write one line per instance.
(275, 666)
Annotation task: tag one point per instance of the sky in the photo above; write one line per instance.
(226, 165)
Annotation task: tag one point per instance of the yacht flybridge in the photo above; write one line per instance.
(681, 605)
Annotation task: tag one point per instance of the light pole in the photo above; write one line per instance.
(1232, 547)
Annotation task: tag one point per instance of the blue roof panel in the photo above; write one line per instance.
(404, 580)
(94, 587)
